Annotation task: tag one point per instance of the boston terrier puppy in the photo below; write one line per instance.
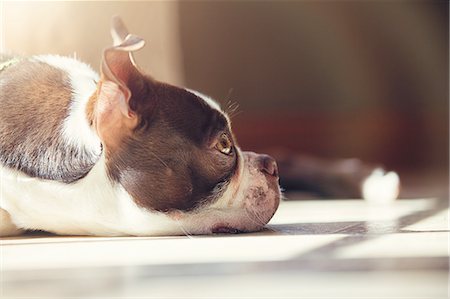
(121, 153)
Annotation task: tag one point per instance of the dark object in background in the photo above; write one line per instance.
(335, 178)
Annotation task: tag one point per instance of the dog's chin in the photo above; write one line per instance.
(255, 214)
(260, 195)
(247, 205)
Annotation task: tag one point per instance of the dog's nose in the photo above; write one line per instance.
(268, 165)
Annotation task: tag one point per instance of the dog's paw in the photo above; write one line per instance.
(381, 187)
(7, 227)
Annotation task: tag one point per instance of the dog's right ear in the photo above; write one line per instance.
(119, 31)
(121, 83)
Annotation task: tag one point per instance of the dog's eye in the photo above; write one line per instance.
(224, 145)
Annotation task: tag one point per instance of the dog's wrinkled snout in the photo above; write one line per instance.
(268, 165)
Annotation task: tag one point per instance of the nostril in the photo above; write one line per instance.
(269, 166)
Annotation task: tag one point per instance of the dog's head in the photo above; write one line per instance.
(172, 149)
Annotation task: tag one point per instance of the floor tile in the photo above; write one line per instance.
(310, 249)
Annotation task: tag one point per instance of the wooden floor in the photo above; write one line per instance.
(311, 249)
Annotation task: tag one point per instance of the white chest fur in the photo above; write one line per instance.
(90, 206)
(77, 208)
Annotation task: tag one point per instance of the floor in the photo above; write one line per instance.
(310, 249)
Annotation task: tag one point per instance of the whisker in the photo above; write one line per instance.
(255, 218)
(230, 91)
(252, 219)
(234, 114)
(184, 230)
(160, 160)
(232, 106)
(232, 109)
(262, 223)
(271, 229)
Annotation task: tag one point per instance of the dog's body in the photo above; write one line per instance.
(121, 153)
(79, 199)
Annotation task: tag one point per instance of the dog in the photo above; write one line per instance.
(121, 153)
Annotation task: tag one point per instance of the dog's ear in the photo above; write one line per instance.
(121, 86)
(119, 31)
(118, 65)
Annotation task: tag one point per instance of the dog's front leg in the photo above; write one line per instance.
(7, 227)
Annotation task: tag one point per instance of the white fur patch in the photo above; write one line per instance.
(76, 130)
(90, 206)
(213, 104)
(381, 187)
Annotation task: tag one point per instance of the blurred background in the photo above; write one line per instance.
(366, 79)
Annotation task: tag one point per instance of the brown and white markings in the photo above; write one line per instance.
(121, 153)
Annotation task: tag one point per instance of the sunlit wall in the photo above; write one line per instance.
(82, 28)
(364, 79)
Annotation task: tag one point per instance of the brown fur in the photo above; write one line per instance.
(35, 98)
(167, 163)
(90, 113)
